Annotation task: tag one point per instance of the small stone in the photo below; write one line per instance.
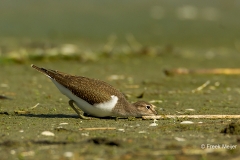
(121, 130)
(116, 77)
(85, 134)
(63, 123)
(141, 132)
(13, 152)
(47, 133)
(68, 154)
(156, 101)
(179, 139)
(154, 123)
(186, 122)
(28, 153)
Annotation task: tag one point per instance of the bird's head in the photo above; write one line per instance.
(145, 109)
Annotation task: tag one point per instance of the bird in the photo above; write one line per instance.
(96, 98)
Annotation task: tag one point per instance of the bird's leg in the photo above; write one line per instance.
(76, 110)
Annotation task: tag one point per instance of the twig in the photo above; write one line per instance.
(192, 116)
(100, 128)
(34, 106)
(201, 87)
(21, 112)
(182, 71)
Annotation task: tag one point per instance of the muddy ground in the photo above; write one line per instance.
(23, 121)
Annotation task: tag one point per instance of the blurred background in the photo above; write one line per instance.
(185, 23)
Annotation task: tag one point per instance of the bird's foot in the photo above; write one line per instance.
(78, 112)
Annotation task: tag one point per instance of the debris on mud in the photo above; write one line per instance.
(232, 128)
(104, 141)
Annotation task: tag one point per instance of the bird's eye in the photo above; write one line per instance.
(148, 107)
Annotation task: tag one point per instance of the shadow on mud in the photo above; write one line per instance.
(49, 115)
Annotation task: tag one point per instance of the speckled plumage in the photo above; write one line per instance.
(92, 91)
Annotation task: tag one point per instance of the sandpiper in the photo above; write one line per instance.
(95, 97)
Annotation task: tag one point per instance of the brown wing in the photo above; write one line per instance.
(91, 90)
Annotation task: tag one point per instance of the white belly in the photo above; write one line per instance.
(100, 110)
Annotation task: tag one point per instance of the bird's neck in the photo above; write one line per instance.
(131, 110)
(125, 109)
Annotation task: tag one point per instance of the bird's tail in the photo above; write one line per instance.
(42, 70)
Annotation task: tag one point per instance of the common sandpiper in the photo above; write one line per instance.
(95, 97)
